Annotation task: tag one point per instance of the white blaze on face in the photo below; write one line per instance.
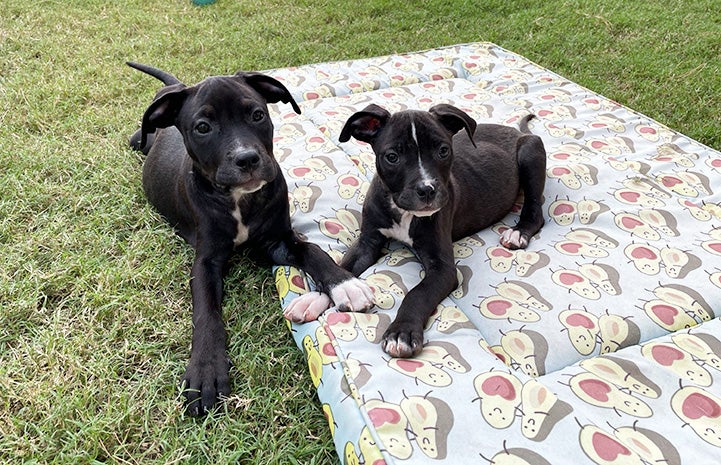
(425, 177)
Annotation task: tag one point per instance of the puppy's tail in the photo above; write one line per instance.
(523, 125)
(167, 78)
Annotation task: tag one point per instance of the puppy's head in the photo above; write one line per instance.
(414, 152)
(225, 125)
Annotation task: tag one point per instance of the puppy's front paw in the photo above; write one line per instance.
(402, 340)
(352, 295)
(513, 239)
(206, 381)
(307, 307)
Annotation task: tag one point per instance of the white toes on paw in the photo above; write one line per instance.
(307, 307)
(397, 349)
(352, 295)
(512, 239)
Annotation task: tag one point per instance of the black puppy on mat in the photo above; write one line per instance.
(211, 173)
(435, 185)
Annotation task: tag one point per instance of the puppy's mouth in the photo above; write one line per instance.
(235, 181)
(240, 188)
(249, 187)
(421, 199)
(427, 211)
(419, 208)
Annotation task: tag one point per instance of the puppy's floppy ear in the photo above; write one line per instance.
(164, 109)
(454, 119)
(365, 125)
(269, 88)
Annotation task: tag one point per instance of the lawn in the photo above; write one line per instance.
(94, 295)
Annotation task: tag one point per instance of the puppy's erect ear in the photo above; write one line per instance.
(365, 125)
(164, 109)
(269, 88)
(454, 119)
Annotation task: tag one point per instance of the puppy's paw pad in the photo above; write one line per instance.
(513, 239)
(307, 307)
(353, 295)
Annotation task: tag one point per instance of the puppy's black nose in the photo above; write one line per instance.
(247, 160)
(426, 192)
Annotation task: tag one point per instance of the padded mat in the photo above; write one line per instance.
(596, 344)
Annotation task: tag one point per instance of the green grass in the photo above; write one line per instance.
(94, 298)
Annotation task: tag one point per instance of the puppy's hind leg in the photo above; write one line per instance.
(532, 177)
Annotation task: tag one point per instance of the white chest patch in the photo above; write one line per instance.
(241, 234)
(400, 231)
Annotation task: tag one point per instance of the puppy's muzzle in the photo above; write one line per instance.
(423, 199)
(245, 169)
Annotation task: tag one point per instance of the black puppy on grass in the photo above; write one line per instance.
(211, 173)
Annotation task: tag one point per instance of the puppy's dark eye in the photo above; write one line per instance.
(444, 151)
(202, 128)
(258, 116)
(392, 158)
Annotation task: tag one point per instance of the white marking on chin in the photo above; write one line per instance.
(424, 213)
(248, 188)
